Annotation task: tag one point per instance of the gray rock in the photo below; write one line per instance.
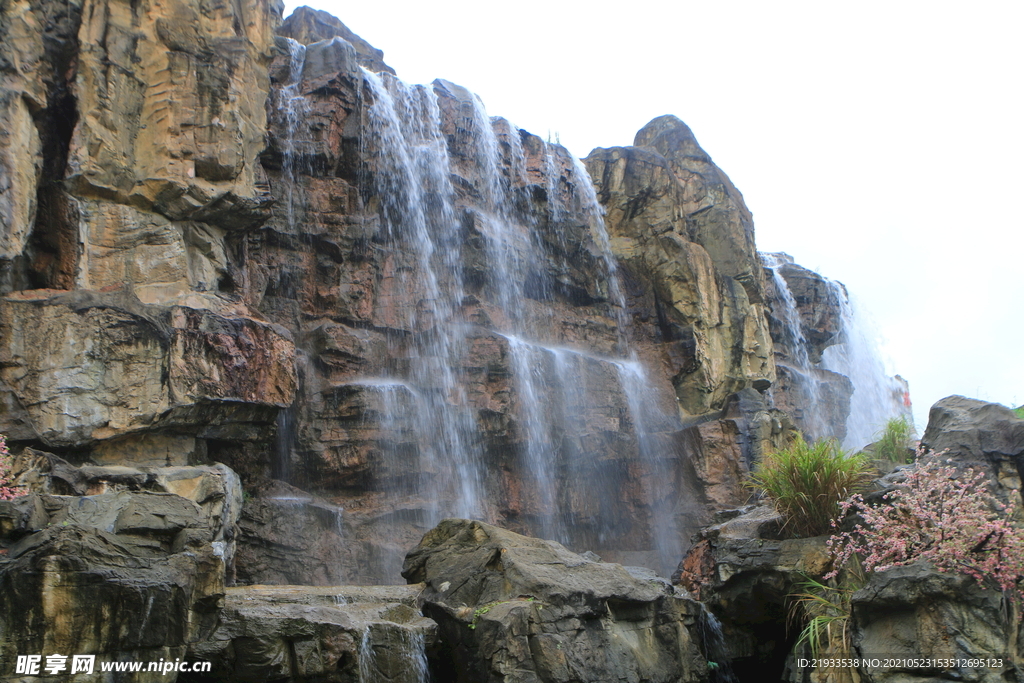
(78, 589)
(512, 608)
(327, 57)
(979, 434)
(348, 634)
(919, 612)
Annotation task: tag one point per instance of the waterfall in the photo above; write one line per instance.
(806, 404)
(876, 396)
(411, 176)
(851, 353)
(716, 650)
(294, 107)
(459, 219)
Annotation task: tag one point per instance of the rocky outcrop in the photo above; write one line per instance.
(117, 562)
(745, 574)
(307, 26)
(986, 436)
(137, 130)
(681, 229)
(224, 245)
(916, 612)
(513, 608)
(134, 127)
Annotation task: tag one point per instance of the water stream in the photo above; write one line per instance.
(852, 353)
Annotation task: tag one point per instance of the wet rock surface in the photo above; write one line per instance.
(513, 608)
(346, 634)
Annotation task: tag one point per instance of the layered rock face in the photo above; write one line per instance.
(226, 246)
(137, 130)
(400, 304)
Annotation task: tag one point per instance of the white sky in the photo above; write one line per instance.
(878, 142)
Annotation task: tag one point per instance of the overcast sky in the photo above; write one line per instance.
(879, 143)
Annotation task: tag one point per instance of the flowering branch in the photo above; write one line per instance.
(951, 520)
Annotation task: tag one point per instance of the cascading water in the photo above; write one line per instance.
(877, 396)
(583, 437)
(794, 357)
(716, 650)
(852, 352)
(295, 108)
(411, 176)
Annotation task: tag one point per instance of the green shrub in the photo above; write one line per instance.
(1019, 412)
(896, 442)
(807, 483)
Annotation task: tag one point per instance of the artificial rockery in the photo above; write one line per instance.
(269, 315)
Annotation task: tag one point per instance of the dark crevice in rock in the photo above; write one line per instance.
(53, 248)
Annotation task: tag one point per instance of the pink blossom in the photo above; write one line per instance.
(950, 520)
(7, 489)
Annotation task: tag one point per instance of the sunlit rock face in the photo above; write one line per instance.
(681, 229)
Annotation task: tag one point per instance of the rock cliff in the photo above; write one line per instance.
(224, 238)
(231, 244)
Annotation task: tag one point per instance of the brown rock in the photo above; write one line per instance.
(157, 131)
(88, 367)
(677, 222)
(308, 25)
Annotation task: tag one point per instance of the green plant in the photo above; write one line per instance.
(807, 483)
(1019, 412)
(895, 442)
(825, 611)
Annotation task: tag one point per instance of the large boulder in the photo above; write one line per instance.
(513, 608)
(986, 436)
(75, 588)
(309, 26)
(916, 612)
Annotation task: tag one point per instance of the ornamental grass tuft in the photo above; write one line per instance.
(895, 444)
(807, 483)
